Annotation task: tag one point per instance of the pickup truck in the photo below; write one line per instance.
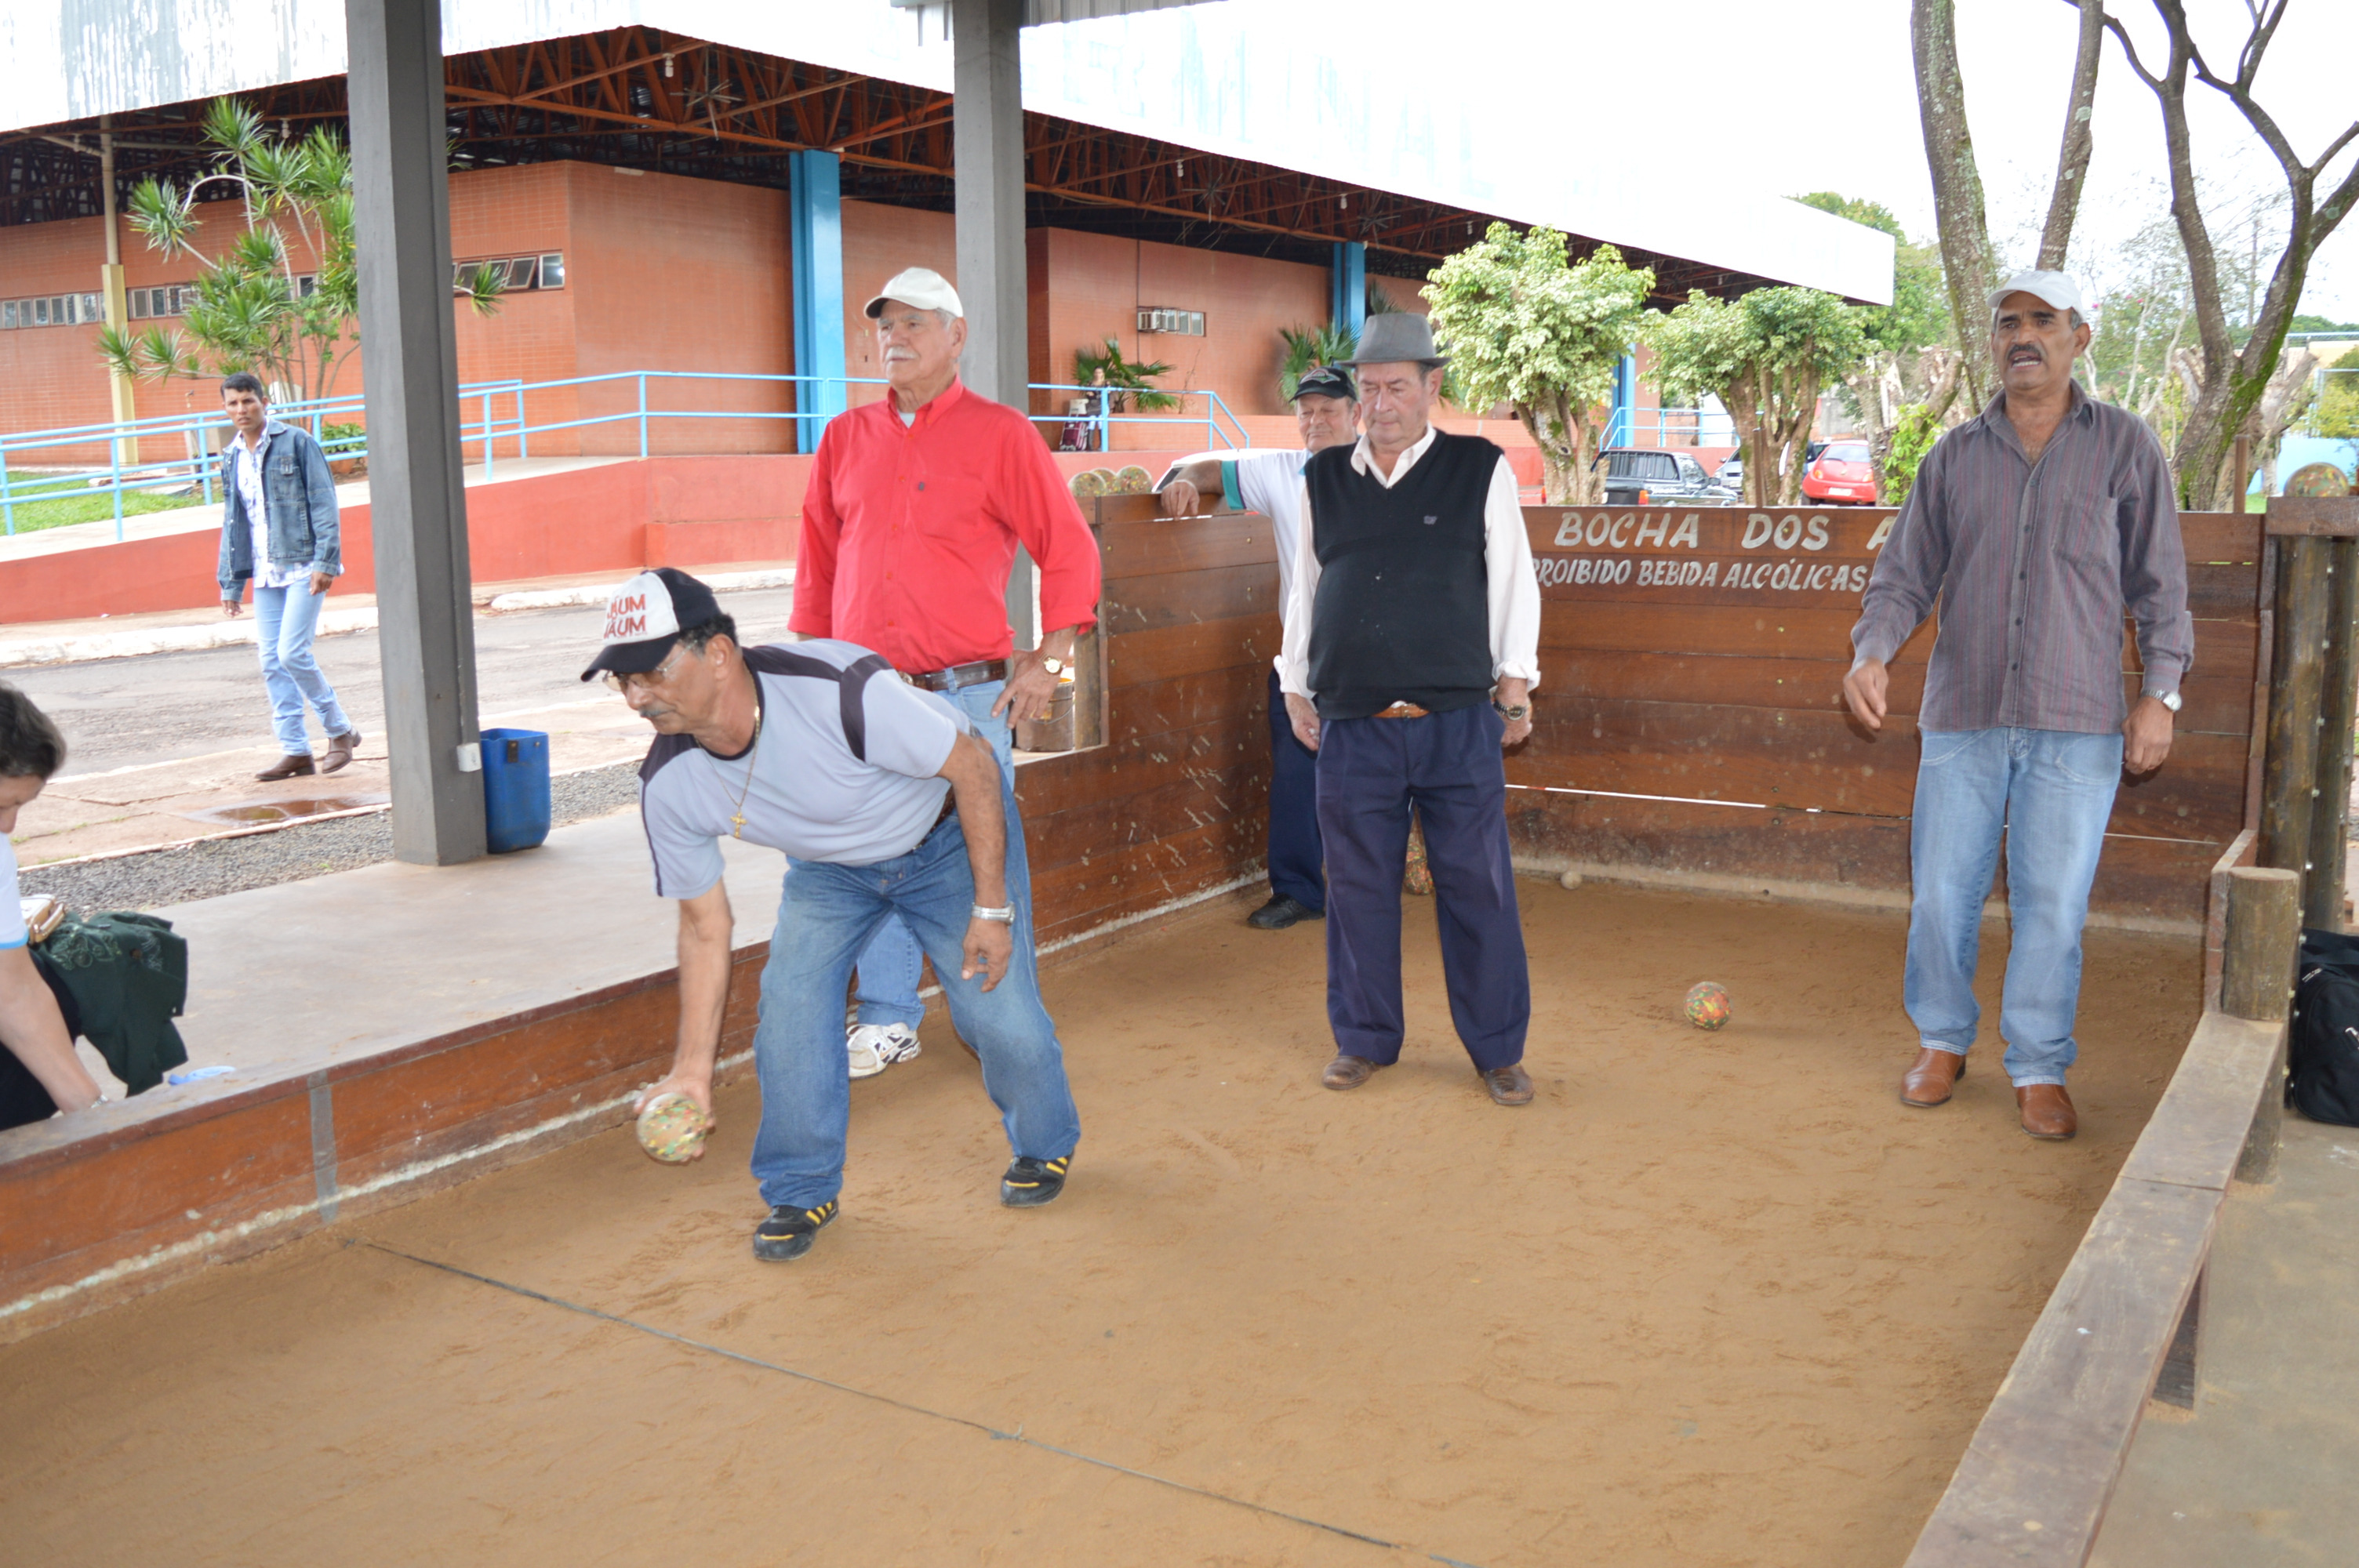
(1642, 476)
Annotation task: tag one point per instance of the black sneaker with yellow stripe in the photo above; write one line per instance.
(1030, 1183)
(788, 1232)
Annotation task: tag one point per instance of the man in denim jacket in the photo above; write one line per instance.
(279, 527)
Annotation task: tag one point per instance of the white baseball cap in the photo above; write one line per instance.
(921, 287)
(2057, 289)
(644, 617)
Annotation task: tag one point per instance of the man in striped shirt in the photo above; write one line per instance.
(2036, 526)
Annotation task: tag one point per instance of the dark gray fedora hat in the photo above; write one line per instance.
(1395, 336)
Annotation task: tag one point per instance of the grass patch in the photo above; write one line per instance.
(58, 511)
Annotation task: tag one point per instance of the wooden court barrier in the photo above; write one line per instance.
(1689, 726)
(2312, 562)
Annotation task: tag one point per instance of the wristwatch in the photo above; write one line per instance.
(1004, 915)
(2169, 699)
(1510, 714)
(1054, 666)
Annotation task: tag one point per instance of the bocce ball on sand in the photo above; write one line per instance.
(673, 1129)
(1708, 1005)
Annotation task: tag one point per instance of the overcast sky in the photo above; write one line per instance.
(1788, 97)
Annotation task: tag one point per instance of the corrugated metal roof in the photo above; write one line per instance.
(1255, 81)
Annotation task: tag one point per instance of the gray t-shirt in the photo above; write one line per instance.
(844, 768)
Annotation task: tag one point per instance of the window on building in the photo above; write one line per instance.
(552, 270)
(523, 274)
(8, 314)
(94, 308)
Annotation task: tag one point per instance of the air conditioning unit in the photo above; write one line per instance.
(1163, 319)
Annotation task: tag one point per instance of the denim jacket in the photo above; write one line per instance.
(300, 499)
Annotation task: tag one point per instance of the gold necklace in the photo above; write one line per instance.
(737, 817)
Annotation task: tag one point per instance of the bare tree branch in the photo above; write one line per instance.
(1957, 185)
(2072, 153)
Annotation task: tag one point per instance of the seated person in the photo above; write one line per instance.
(39, 1074)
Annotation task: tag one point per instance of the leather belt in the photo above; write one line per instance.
(949, 810)
(1401, 710)
(958, 676)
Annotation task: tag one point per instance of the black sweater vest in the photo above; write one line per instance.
(1402, 612)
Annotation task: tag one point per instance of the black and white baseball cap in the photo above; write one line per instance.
(1326, 381)
(644, 618)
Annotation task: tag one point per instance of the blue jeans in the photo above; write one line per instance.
(284, 619)
(891, 965)
(827, 916)
(2051, 791)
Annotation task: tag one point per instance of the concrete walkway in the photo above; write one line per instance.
(2262, 1475)
(286, 978)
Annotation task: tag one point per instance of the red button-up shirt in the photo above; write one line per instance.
(909, 532)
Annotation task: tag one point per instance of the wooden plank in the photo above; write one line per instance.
(1079, 897)
(2159, 879)
(1167, 810)
(1219, 593)
(2214, 704)
(2295, 516)
(1186, 545)
(1106, 510)
(2198, 1130)
(2221, 646)
(2036, 1478)
(1818, 758)
(1186, 702)
(1232, 743)
(1192, 647)
(2220, 536)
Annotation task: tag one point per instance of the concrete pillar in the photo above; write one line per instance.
(815, 191)
(987, 149)
(118, 303)
(1348, 287)
(417, 506)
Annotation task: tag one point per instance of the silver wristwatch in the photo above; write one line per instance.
(1004, 915)
(2169, 699)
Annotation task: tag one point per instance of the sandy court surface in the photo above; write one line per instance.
(1711, 1299)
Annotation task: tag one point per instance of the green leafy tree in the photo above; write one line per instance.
(1913, 435)
(1525, 327)
(1307, 347)
(1766, 356)
(254, 311)
(1106, 367)
(1911, 357)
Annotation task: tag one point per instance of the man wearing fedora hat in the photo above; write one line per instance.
(916, 506)
(2034, 528)
(1326, 407)
(1411, 651)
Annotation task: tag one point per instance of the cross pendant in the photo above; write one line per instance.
(738, 828)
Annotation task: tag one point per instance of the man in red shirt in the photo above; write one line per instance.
(916, 507)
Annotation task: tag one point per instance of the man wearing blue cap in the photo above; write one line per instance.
(1326, 408)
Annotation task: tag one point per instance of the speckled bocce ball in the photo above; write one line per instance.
(1708, 1004)
(672, 1128)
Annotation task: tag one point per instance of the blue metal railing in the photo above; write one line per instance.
(1664, 428)
(500, 414)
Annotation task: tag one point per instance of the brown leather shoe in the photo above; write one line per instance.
(1509, 1084)
(289, 767)
(1350, 1072)
(2046, 1111)
(340, 751)
(1928, 1082)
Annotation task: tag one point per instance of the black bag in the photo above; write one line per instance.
(2322, 1049)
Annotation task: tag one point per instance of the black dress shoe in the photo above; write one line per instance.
(1281, 912)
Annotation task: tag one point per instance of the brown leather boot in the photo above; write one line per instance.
(1929, 1081)
(340, 751)
(2046, 1111)
(289, 767)
(1509, 1084)
(1350, 1072)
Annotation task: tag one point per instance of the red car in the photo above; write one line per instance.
(1843, 472)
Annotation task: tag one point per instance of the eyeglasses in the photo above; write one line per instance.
(655, 677)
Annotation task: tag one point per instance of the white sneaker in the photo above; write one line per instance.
(876, 1047)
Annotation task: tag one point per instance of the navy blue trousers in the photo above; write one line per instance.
(1295, 869)
(1448, 764)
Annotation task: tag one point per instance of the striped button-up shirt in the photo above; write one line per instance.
(2034, 565)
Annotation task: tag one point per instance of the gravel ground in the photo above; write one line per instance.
(156, 878)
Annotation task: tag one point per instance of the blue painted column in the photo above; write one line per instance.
(1348, 283)
(815, 194)
(1622, 428)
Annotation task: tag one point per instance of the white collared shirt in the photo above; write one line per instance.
(1515, 592)
(245, 469)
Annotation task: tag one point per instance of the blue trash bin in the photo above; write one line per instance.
(515, 789)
